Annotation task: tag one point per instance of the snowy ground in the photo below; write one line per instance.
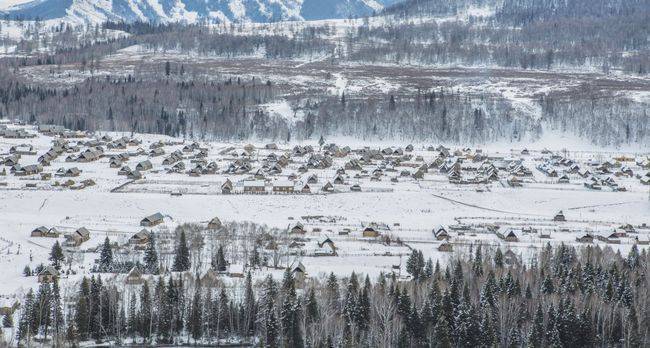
(410, 208)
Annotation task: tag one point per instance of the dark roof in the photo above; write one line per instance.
(154, 217)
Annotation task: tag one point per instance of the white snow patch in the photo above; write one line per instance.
(237, 8)
(5, 4)
(373, 4)
(282, 109)
(475, 11)
(639, 96)
(340, 83)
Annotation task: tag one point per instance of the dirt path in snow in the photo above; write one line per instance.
(482, 208)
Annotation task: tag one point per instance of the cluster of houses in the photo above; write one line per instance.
(615, 237)
(595, 173)
(461, 166)
(14, 133)
(59, 131)
(73, 239)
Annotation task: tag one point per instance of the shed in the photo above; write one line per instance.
(141, 238)
(144, 165)
(227, 187)
(134, 277)
(370, 232)
(152, 220)
(215, 223)
(298, 228)
(559, 216)
(48, 275)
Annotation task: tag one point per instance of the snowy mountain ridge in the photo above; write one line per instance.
(189, 11)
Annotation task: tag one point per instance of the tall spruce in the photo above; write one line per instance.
(106, 257)
(219, 262)
(145, 316)
(195, 318)
(182, 255)
(290, 314)
(250, 307)
(56, 255)
(151, 265)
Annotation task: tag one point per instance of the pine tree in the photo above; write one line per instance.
(514, 338)
(8, 321)
(632, 260)
(391, 103)
(428, 269)
(333, 294)
(363, 310)
(42, 310)
(132, 321)
(547, 286)
(415, 264)
(255, 260)
(441, 333)
(82, 310)
(403, 304)
(210, 316)
(57, 309)
(552, 332)
(498, 258)
(403, 339)
(94, 326)
(536, 335)
(465, 325)
(271, 327)
(151, 257)
(477, 265)
(311, 307)
(121, 326)
(159, 296)
(194, 324)
(25, 331)
(415, 325)
(71, 334)
(529, 293)
(428, 317)
(106, 257)
(56, 255)
(585, 335)
(250, 307)
(145, 318)
(179, 305)
(554, 340)
(166, 317)
(609, 290)
(223, 326)
(290, 318)
(487, 338)
(633, 338)
(617, 333)
(220, 263)
(182, 255)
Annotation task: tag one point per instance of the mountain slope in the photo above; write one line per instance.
(191, 11)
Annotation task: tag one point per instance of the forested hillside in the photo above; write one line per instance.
(587, 62)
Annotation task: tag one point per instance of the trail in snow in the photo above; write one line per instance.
(483, 208)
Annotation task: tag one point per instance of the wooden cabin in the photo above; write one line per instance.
(48, 275)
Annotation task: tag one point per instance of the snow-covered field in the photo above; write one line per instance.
(406, 207)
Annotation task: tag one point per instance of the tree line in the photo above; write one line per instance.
(562, 297)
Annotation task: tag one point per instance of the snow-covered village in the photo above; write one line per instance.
(325, 173)
(135, 209)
